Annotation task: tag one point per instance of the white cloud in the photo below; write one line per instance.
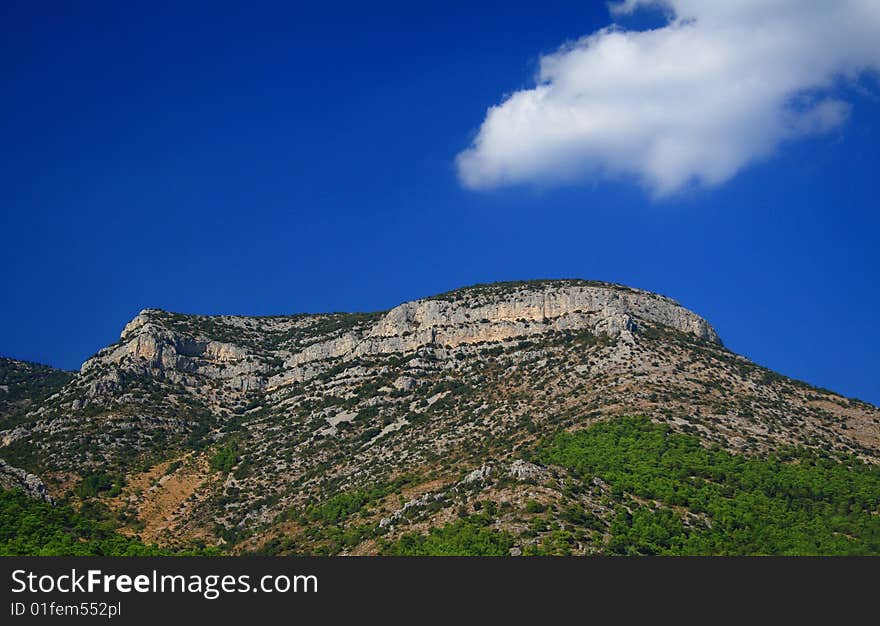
(721, 85)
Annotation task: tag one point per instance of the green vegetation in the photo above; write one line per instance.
(23, 385)
(464, 537)
(503, 288)
(225, 458)
(341, 322)
(696, 500)
(99, 483)
(333, 525)
(340, 507)
(34, 528)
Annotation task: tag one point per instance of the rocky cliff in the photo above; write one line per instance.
(475, 316)
(155, 340)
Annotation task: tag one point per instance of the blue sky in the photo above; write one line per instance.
(269, 159)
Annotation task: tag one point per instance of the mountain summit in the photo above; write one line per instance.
(384, 432)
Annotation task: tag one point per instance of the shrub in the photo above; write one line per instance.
(225, 458)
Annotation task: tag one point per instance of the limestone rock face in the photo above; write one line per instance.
(481, 473)
(523, 470)
(146, 345)
(405, 383)
(196, 369)
(528, 311)
(30, 484)
(156, 342)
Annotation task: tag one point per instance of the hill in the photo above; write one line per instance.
(536, 417)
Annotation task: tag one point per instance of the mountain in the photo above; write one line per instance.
(559, 416)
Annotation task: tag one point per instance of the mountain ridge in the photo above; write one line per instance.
(227, 429)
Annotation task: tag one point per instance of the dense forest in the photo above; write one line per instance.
(678, 497)
(671, 495)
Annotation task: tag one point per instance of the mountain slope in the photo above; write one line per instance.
(23, 385)
(360, 432)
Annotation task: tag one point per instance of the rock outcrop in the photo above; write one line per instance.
(30, 484)
(520, 312)
(158, 341)
(147, 344)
